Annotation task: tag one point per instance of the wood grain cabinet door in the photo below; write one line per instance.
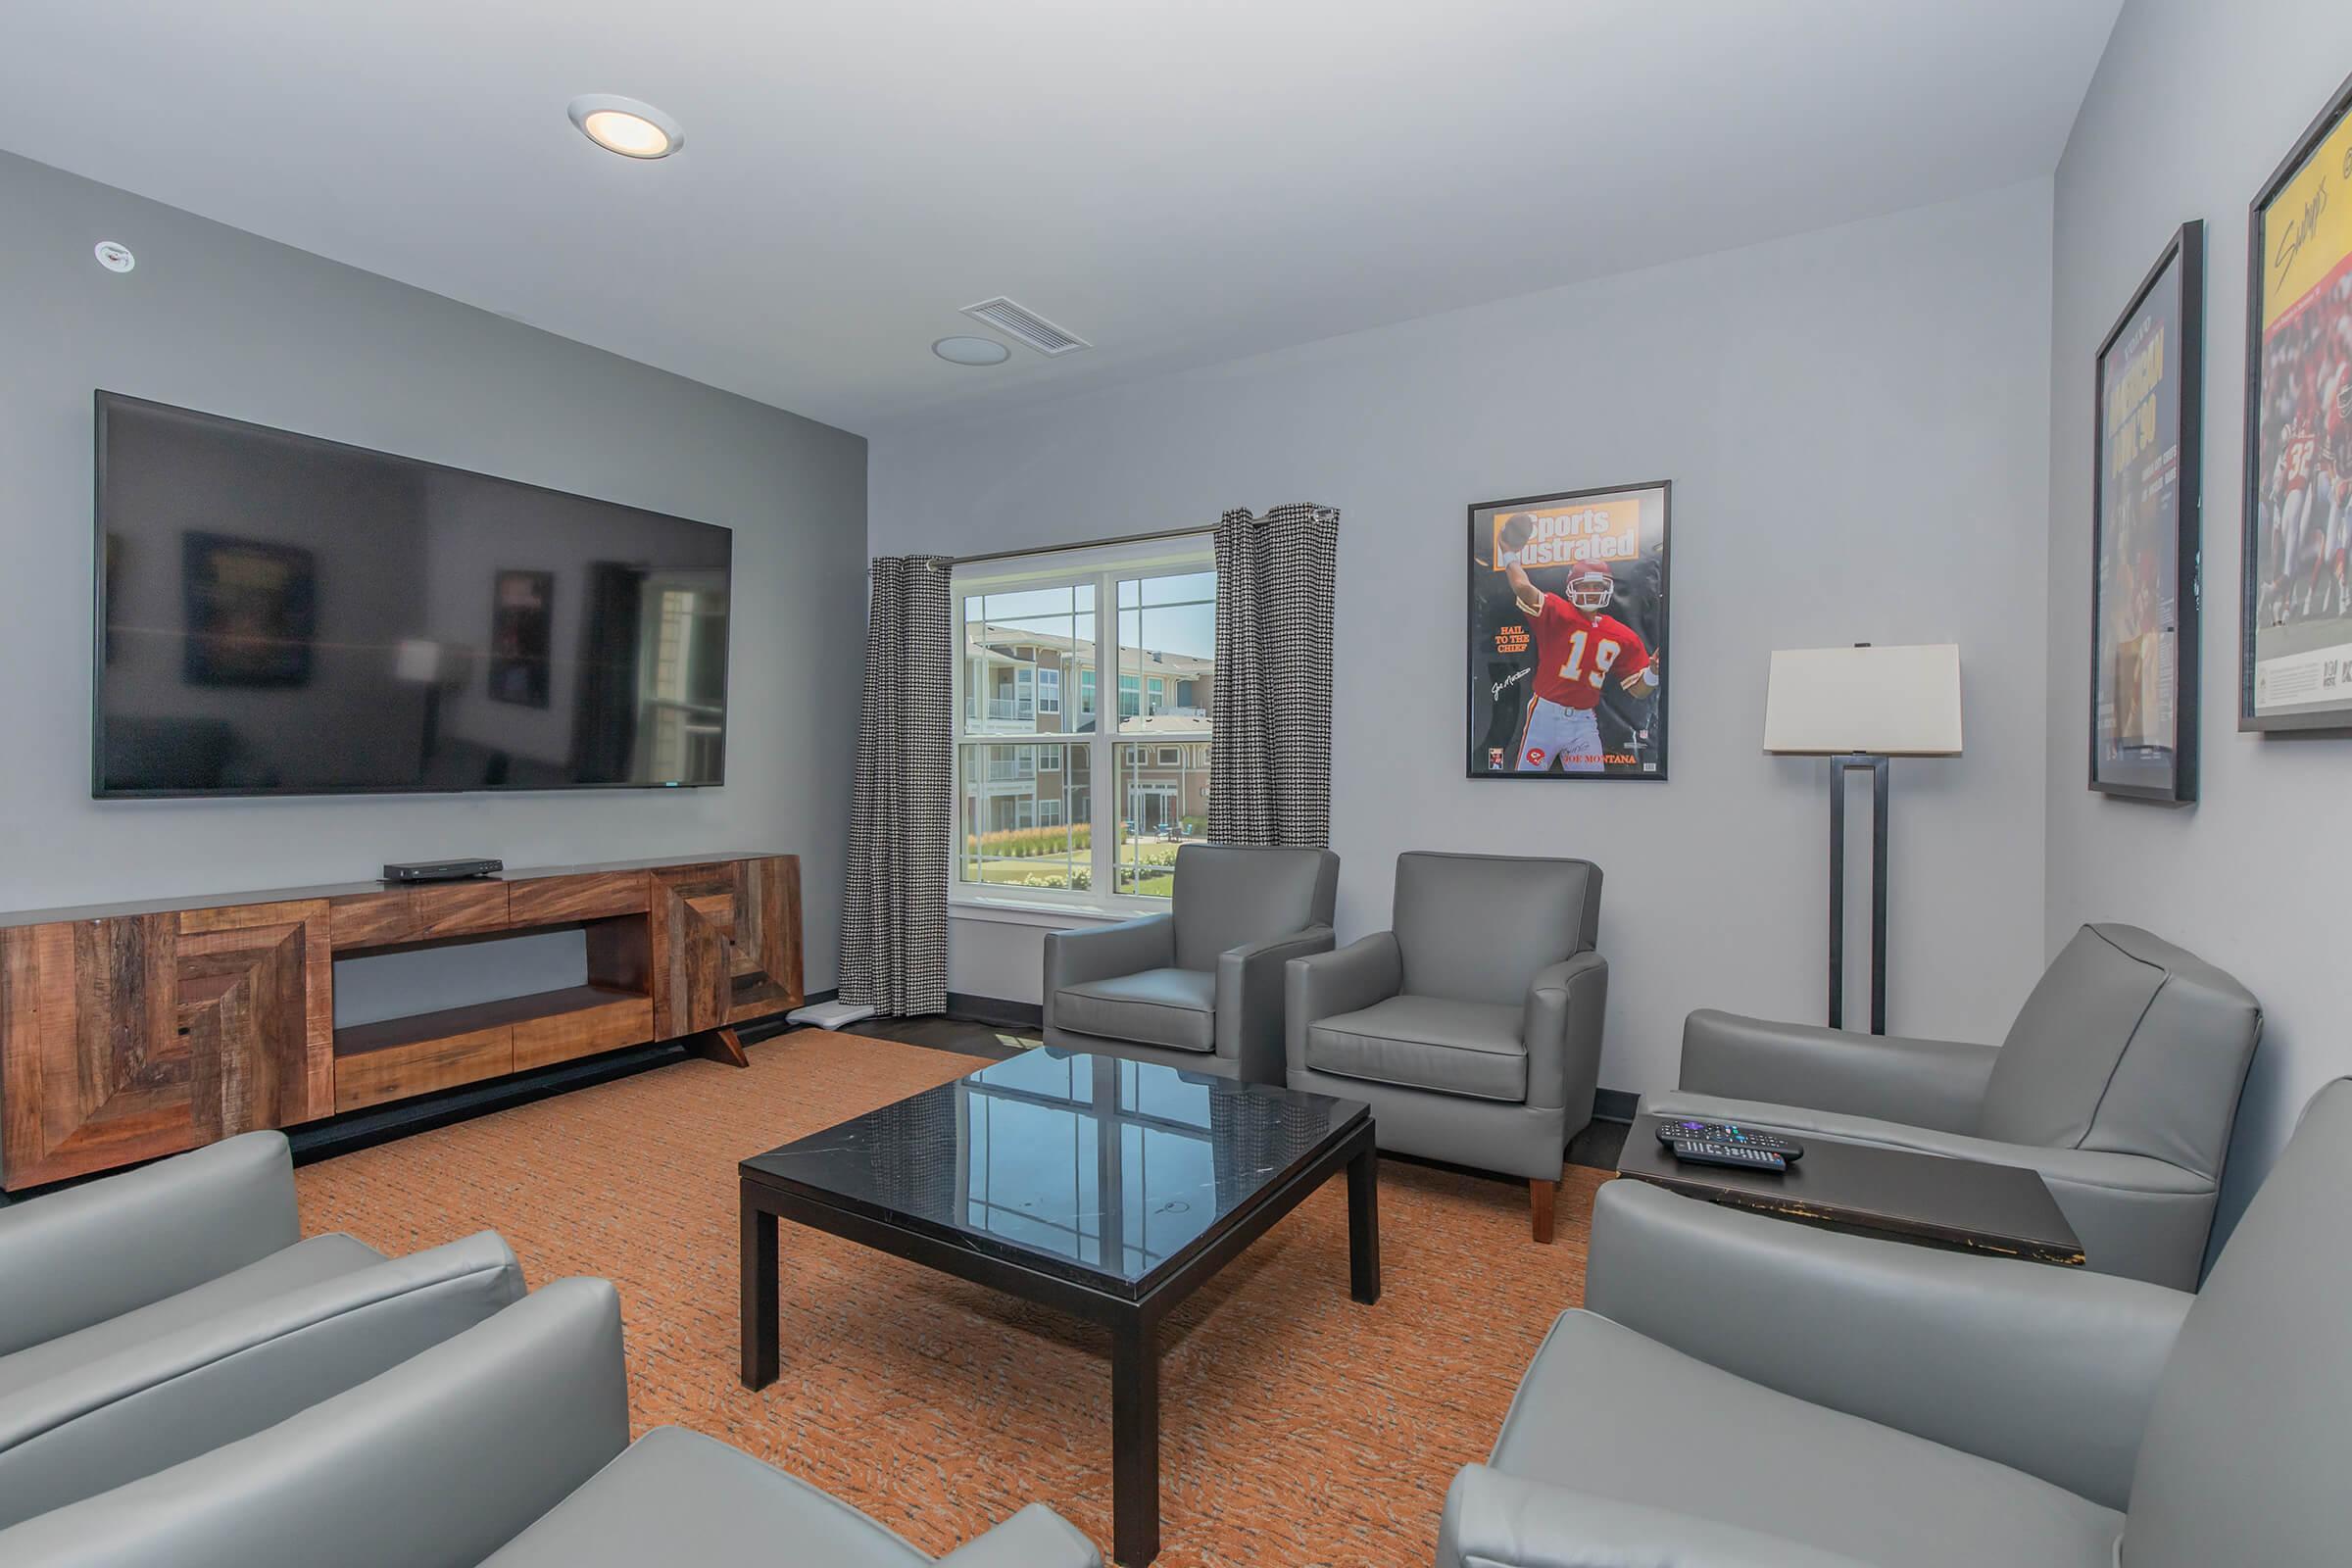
(727, 943)
(130, 1037)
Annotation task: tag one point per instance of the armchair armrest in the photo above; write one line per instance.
(1035, 1538)
(1496, 1520)
(1345, 979)
(1249, 1000)
(220, 1378)
(98, 1250)
(1928, 1083)
(2046, 1370)
(1074, 957)
(1562, 1030)
(444, 1459)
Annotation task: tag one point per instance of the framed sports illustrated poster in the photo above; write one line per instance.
(2295, 610)
(1568, 630)
(2144, 506)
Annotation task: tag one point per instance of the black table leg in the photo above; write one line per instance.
(760, 1305)
(1363, 1224)
(1134, 1442)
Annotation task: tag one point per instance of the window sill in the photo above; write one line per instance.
(1023, 912)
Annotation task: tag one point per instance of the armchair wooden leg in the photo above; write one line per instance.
(1541, 1194)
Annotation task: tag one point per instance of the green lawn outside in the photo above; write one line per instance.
(1154, 861)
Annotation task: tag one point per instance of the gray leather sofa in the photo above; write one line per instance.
(1200, 987)
(1746, 1393)
(2118, 1082)
(1473, 1026)
(150, 1316)
(506, 1444)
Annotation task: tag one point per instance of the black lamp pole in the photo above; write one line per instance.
(1839, 767)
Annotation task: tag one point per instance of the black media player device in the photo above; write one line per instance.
(441, 870)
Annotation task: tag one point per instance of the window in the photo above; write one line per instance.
(1035, 630)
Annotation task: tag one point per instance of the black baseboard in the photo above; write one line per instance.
(997, 1011)
(381, 1124)
(1615, 1104)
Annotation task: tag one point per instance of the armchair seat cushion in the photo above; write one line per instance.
(1473, 1049)
(306, 1263)
(1172, 1007)
(678, 1497)
(1608, 1412)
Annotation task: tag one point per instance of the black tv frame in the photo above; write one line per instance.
(102, 400)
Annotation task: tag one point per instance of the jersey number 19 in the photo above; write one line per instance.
(1604, 654)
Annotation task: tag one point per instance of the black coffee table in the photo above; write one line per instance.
(1898, 1193)
(1109, 1189)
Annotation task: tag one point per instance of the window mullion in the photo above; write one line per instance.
(1102, 757)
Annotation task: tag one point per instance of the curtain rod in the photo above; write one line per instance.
(1088, 544)
(1104, 544)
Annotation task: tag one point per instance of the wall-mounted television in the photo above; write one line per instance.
(278, 614)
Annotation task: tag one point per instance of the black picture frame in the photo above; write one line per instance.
(1503, 649)
(2281, 647)
(2173, 294)
(250, 607)
(521, 637)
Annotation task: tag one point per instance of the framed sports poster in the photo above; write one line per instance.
(1568, 618)
(2295, 612)
(2144, 505)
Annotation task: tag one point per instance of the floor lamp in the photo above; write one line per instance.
(1861, 707)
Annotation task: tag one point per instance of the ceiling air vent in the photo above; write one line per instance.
(1030, 328)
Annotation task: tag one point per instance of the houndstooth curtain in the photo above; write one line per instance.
(894, 925)
(1270, 763)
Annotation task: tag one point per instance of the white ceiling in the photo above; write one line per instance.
(1180, 181)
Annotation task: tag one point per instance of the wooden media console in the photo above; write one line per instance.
(130, 1031)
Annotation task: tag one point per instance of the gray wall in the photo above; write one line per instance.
(2191, 108)
(217, 319)
(1856, 423)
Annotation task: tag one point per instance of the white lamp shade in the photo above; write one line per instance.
(1894, 702)
(416, 660)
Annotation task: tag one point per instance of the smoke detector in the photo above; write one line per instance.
(1026, 326)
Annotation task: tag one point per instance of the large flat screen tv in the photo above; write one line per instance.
(284, 615)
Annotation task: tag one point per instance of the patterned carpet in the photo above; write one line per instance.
(1298, 1427)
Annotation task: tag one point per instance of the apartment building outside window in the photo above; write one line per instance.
(1033, 634)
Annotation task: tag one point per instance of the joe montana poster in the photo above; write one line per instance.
(1568, 602)
(2144, 540)
(2295, 664)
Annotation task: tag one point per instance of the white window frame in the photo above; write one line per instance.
(1103, 568)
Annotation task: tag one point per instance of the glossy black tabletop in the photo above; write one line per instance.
(1095, 1168)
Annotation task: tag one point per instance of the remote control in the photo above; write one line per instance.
(1707, 1151)
(1679, 1131)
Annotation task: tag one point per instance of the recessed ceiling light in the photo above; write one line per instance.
(626, 127)
(971, 351)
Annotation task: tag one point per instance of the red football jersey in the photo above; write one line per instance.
(1576, 651)
(2300, 446)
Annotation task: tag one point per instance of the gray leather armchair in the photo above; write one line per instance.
(506, 1444)
(2118, 1082)
(148, 1317)
(1866, 1403)
(1473, 1027)
(1200, 987)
